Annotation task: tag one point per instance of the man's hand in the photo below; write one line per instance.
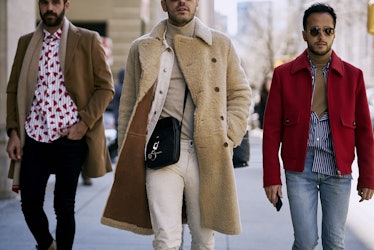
(75, 132)
(271, 193)
(14, 146)
(365, 193)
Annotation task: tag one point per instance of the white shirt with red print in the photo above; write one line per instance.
(52, 109)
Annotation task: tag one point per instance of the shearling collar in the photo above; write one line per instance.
(201, 30)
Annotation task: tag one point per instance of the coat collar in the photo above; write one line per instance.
(301, 63)
(201, 30)
(150, 48)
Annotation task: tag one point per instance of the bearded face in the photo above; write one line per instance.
(52, 19)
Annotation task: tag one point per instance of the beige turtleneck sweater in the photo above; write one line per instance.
(175, 97)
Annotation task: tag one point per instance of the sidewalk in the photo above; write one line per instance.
(263, 227)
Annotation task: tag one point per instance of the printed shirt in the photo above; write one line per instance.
(52, 109)
(320, 140)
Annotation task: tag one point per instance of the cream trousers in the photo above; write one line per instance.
(165, 190)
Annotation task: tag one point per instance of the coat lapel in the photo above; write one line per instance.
(71, 45)
(194, 62)
(188, 58)
(62, 49)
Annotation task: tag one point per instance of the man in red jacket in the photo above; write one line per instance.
(317, 111)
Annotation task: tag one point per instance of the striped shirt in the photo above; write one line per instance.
(320, 140)
(321, 143)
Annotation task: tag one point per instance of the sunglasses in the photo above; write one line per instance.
(315, 31)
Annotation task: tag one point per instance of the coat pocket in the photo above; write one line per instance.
(291, 119)
(347, 122)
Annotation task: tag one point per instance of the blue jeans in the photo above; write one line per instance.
(302, 190)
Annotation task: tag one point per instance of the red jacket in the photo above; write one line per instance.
(287, 117)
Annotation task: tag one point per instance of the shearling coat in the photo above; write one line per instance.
(88, 80)
(221, 94)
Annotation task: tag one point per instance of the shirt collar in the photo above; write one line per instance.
(326, 67)
(55, 36)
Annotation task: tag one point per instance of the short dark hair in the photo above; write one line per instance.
(318, 8)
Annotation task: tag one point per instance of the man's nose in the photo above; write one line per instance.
(49, 5)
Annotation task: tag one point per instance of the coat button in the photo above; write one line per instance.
(225, 144)
(354, 123)
(214, 60)
(216, 89)
(287, 121)
(222, 118)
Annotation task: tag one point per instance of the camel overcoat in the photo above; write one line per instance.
(221, 95)
(88, 80)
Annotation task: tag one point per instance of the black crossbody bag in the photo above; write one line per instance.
(163, 148)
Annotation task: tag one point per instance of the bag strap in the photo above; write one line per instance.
(184, 104)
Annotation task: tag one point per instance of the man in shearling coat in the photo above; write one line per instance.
(58, 90)
(180, 53)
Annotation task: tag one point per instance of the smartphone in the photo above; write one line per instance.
(279, 203)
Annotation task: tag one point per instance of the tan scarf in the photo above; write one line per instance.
(319, 105)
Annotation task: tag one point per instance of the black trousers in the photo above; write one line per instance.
(64, 158)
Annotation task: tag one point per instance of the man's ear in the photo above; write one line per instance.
(67, 5)
(304, 35)
(163, 4)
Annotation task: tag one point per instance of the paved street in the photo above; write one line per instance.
(263, 227)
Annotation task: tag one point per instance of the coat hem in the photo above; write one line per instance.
(126, 226)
